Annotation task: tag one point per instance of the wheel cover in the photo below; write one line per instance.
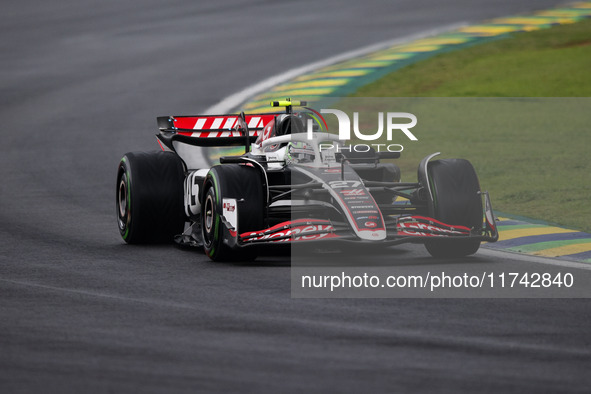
(122, 201)
(208, 217)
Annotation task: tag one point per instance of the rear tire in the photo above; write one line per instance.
(456, 201)
(244, 184)
(150, 197)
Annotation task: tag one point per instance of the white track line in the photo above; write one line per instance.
(233, 101)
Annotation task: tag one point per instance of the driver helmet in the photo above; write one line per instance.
(288, 124)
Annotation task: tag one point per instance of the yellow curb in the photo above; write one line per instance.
(564, 250)
(525, 232)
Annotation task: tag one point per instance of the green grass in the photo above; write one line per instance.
(554, 62)
(534, 159)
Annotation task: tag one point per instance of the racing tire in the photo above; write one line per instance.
(456, 201)
(244, 184)
(149, 197)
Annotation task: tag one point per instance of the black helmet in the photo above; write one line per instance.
(288, 124)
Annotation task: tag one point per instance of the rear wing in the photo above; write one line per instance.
(211, 130)
(218, 130)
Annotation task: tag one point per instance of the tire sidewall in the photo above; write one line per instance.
(212, 239)
(124, 220)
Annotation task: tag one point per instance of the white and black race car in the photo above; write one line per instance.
(294, 182)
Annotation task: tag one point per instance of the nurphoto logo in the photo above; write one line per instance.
(392, 125)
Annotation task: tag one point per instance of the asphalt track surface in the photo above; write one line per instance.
(80, 311)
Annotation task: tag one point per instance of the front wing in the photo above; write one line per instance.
(404, 229)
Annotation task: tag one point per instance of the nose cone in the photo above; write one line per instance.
(372, 235)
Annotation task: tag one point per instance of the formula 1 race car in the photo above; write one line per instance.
(295, 182)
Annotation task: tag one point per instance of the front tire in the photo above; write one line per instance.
(244, 184)
(456, 201)
(149, 197)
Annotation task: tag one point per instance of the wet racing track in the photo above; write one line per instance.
(82, 83)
